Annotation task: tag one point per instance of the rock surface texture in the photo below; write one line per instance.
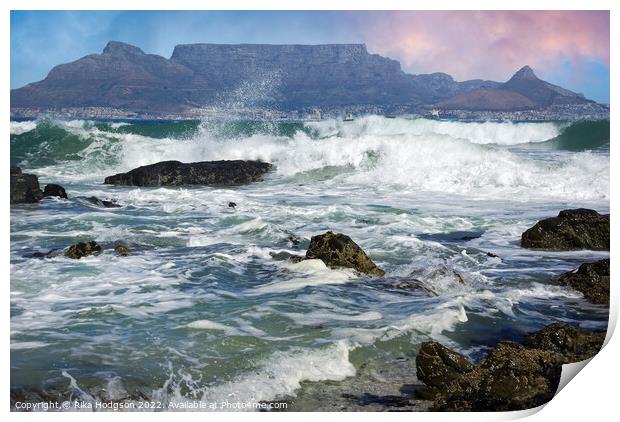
(25, 187)
(571, 229)
(175, 173)
(339, 250)
(591, 279)
(512, 376)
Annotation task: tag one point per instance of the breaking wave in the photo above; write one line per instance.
(470, 158)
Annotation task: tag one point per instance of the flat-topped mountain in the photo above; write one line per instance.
(285, 77)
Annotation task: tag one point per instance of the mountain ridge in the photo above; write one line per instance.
(280, 76)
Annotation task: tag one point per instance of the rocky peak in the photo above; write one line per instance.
(121, 48)
(525, 72)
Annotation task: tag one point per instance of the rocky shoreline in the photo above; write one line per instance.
(512, 376)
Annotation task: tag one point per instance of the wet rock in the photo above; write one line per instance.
(296, 259)
(591, 279)
(573, 344)
(25, 187)
(511, 377)
(175, 173)
(338, 250)
(121, 249)
(492, 255)
(102, 203)
(49, 254)
(294, 240)
(571, 229)
(52, 189)
(285, 256)
(83, 249)
(232, 205)
(437, 365)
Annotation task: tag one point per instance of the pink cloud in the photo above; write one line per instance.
(488, 44)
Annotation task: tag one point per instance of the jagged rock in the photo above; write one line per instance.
(102, 203)
(24, 187)
(591, 279)
(175, 173)
(571, 229)
(511, 377)
(338, 250)
(573, 344)
(437, 365)
(121, 249)
(83, 249)
(52, 189)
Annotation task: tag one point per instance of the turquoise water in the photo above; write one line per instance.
(201, 310)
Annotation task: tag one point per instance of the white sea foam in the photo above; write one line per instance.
(279, 376)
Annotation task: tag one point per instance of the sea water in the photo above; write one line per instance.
(201, 311)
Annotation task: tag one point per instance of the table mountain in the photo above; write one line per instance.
(280, 76)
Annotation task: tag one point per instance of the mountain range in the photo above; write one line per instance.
(285, 77)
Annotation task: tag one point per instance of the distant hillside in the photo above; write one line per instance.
(285, 77)
(523, 91)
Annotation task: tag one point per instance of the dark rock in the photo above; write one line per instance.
(102, 203)
(572, 343)
(437, 365)
(49, 254)
(294, 240)
(232, 205)
(283, 256)
(121, 249)
(511, 377)
(52, 189)
(83, 249)
(591, 279)
(25, 187)
(175, 173)
(296, 259)
(571, 229)
(492, 255)
(338, 250)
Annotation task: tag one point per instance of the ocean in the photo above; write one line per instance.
(202, 310)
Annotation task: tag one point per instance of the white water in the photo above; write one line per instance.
(201, 302)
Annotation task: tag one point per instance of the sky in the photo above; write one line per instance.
(568, 48)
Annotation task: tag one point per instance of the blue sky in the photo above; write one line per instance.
(571, 48)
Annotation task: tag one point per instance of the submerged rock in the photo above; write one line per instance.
(52, 189)
(338, 250)
(83, 249)
(25, 187)
(175, 173)
(511, 377)
(573, 344)
(571, 229)
(121, 249)
(102, 203)
(49, 254)
(591, 279)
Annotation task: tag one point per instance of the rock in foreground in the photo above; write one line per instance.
(511, 377)
(338, 250)
(83, 249)
(175, 173)
(25, 187)
(591, 279)
(571, 229)
(572, 343)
